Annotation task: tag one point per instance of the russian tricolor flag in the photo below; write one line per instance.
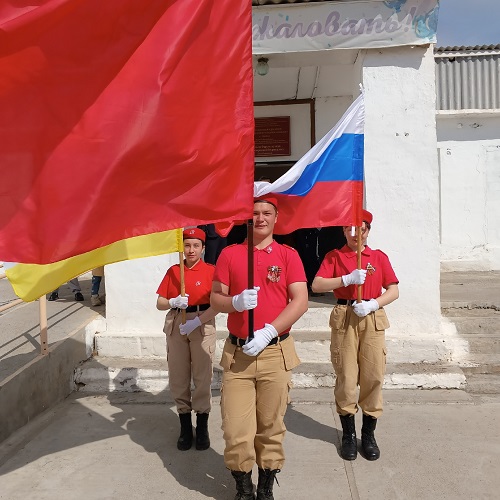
(325, 187)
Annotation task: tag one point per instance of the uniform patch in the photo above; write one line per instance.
(274, 273)
(371, 270)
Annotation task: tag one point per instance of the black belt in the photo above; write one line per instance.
(192, 309)
(351, 302)
(241, 342)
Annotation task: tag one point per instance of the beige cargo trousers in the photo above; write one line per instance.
(190, 357)
(254, 398)
(358, 355)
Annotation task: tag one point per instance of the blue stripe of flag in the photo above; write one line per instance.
(342, 160)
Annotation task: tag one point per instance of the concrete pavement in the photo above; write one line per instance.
(434, 444)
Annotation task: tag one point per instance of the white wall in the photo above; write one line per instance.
(402, 190)
(131, 295)
(469, 155)
(401, 183)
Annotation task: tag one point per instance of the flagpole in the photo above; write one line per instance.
(359, 288)
(250, 274)
(183, 285)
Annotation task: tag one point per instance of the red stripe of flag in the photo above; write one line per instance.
(121, 118)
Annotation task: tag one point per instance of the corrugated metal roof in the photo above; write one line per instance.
(468, 77)
(465, 48)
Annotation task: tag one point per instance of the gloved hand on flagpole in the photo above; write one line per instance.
(364, 308)
(357, 277)
(260, 340)
(246, 300)
(179, 302)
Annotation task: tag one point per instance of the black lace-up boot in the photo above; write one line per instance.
(244, 485)
(266, 483)
(349, 449)
(202, 437)
(185, 440)
(368, 443)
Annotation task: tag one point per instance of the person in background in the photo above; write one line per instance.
(97, 275)
(257, 371)
(306, 243)
(75, 288)
(358, 348)
(214, 243)
(190, 346)
(329, 238)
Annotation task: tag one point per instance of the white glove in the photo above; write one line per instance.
(190, 325)
(246, 300)
(357, 277)
(365, 307)
(179, 302)
(260, 340)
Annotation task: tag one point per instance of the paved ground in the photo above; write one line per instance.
(435, 445)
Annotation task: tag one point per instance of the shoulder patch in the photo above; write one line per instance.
(289, 247)
(380, 251)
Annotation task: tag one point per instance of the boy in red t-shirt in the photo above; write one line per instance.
(257, 372)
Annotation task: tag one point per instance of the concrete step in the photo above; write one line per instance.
(483, 344)
(153, 345)
(480, 383)
(475, 321)
(486, 366)
(102, 375)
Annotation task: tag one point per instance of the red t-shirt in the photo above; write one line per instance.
(275, 268)
(340, 262)
(197, 279)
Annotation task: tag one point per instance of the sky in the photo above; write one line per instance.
(468, 22)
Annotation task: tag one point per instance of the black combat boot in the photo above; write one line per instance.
(368, 443)
(349, 449)
(265, 484)
(244, 485)
(185, 440)
(202, 437)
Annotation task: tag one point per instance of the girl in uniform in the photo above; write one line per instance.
(190, 346)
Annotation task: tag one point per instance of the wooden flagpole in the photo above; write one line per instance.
(183, 284)
(359, 289)
(44, 342)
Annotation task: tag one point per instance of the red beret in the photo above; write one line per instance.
(367, 216)
(268, 198)
(194, 232)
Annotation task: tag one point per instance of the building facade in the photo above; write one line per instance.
(468, 131)
(318, 54)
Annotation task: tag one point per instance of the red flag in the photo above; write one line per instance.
(121, 118)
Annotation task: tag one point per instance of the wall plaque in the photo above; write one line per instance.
(272, 136)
